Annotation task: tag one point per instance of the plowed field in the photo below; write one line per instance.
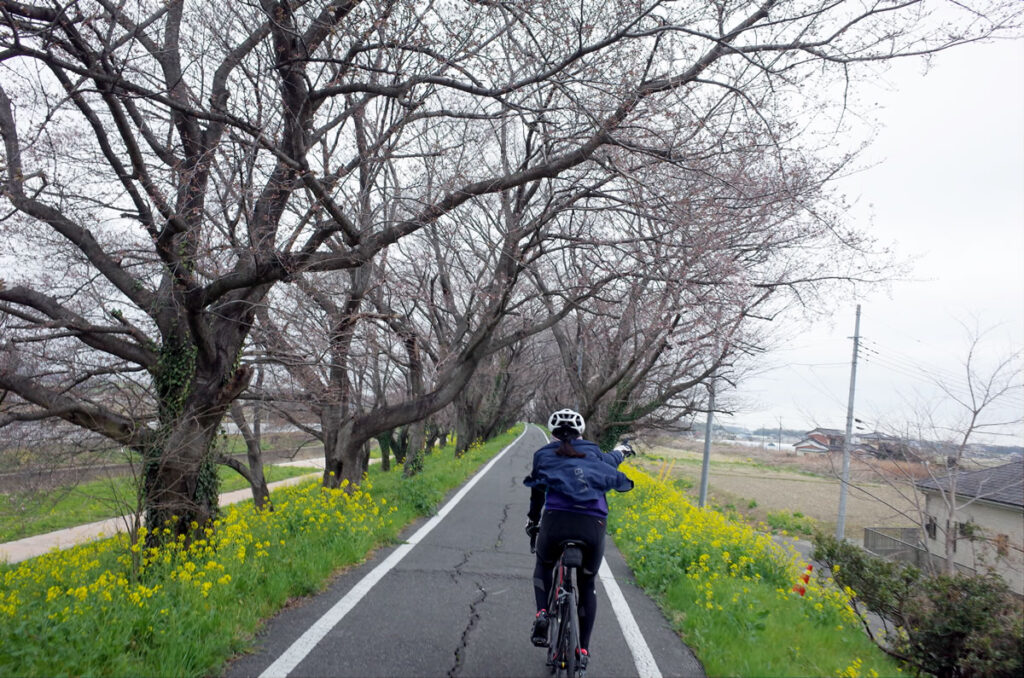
(755, 482)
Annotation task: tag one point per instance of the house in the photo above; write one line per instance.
(820, 441)
(824, 440)
(885, 446)
(809, 445)
(988, 521)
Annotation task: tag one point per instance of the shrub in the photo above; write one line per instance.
(961, 625)
(795, 522)
(947, 625)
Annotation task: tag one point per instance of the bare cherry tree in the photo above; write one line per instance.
(934, 448)
(702, 252)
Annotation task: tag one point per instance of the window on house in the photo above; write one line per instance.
(930, 526)
(1003, 544)
(967, 530)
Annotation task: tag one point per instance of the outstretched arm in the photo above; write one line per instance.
(537, 495)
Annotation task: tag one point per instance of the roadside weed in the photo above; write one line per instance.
(791, 522)
(113, 608)
(730, 590)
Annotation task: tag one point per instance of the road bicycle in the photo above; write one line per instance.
(563, 613)
(564, 652)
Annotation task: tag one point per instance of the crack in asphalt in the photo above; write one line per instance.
(457, 570)
(501, 527)
(474, 617)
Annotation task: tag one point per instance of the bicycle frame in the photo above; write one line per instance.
(563, 612)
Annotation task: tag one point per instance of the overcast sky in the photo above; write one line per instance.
(947, 190)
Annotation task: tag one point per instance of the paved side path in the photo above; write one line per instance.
(30, 547)
(456, 599)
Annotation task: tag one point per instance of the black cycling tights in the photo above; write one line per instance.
(555, 528)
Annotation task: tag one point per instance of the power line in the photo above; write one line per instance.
(959, 387)
(821, 388)
(937, 374)
(897, 356)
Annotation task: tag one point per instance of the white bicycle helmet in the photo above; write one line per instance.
(568, 419)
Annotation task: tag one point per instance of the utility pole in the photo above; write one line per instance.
(705, 465)
(845, 481)
(780, 435)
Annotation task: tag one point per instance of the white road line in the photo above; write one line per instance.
(646, 667)
(298, 650)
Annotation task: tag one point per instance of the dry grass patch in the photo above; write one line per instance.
(755, 482)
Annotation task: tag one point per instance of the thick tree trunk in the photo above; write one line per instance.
(400, 444)
(346, 455)
(336, 433)
(364, 459)
(254, 457)
(181, 484)
(384, 442)
(352, 464)
(466, 430)
(434, 437)
(414, 457)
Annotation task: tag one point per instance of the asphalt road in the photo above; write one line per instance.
(457, 601)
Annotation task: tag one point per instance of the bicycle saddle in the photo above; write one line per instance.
(572, 553)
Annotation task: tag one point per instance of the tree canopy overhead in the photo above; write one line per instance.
(165, 166)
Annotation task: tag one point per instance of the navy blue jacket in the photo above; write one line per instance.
(575, 484)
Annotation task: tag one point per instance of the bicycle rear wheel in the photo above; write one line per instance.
(554, 624)
(554, 616)
(561, 634)
(570, 636)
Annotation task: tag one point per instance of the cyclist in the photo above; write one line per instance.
(569, 480)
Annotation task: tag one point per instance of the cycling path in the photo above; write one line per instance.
(455, 599)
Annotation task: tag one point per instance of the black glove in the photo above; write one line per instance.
(532, 529)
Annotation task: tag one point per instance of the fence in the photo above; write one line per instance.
(903, 544)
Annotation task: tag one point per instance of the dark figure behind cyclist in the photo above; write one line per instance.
(569, 480)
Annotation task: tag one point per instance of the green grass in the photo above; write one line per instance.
(719, 462)
(185, 610)
(759, 632)
(729, 590)
(25, 516)
(791, 522)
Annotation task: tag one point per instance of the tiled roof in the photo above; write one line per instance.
(1001, 484)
